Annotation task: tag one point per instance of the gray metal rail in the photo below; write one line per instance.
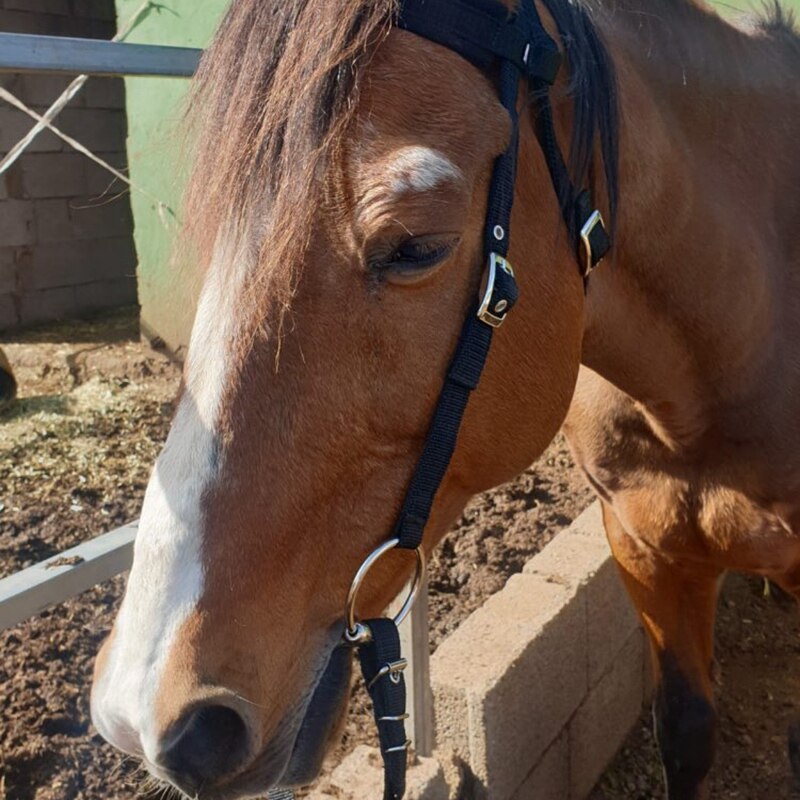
(67, 56)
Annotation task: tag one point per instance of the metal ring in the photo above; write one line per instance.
(499, 233)
(351, 632)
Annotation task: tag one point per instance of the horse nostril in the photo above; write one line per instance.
(206, 745)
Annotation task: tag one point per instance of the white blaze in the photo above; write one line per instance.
(166, 581)
(421, 169)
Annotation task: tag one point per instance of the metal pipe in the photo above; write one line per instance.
(69, 56)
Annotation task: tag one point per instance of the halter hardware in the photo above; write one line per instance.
(357, 633)
(494, 307)
(393, 670)
(591, 259)
(400, 748)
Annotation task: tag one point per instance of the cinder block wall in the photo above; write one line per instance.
(66, 243)
(537, 689)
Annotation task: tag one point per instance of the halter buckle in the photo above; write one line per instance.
(356, 633)
(392, 669)
(587, 230)
(492, 310)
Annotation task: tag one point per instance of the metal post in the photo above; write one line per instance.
(414, 637)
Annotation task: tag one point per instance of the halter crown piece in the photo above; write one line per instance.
(485, 34)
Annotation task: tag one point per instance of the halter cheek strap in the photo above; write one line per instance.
(479, 30)
(482, 32)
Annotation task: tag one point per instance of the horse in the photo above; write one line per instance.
(341, 173)
(8, 383)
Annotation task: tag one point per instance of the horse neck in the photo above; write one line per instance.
(684, 315)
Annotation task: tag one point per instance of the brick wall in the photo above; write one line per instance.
(66, 245)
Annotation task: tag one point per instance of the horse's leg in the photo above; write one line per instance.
(676, 604)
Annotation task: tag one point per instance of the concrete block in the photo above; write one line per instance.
(97, 129)
(53, 223)
(84, 261)
(46, 305)
(53, 265)
(12, 182)
(508, 680)
(47, 175)
(14, 126)
(19, 22)
(580, 557)
(43, 90)
(16, 223)
(104, 93)
(589, 522)
(8, 270)
(613, 619)
(106, 294)
(39, 6)
(96, 9)
(116, 257)
(9, 313)
(451, 712)
(605, 718)
(549, 779)
(575, 555)
(101, 220)
(99, 179)
(14, 21)
(360, 776)
(93, 28)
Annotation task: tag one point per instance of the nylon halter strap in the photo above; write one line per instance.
(485, 34)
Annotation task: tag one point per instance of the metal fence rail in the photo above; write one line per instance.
(67, 56)
(28, 592)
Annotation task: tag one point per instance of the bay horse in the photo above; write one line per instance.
(339, 192)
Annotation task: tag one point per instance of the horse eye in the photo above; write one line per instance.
(415, 255)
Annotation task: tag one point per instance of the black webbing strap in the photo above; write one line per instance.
(483, 32)
(382, 668)
(472, 349)
(576, 206)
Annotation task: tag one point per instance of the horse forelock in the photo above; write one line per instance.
(272, 101)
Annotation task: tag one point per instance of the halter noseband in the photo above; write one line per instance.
(484, 33)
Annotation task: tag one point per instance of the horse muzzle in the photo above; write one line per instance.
(212, 752)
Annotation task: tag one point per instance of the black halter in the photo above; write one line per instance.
(485, 34)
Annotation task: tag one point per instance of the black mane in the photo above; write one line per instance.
(593, 87)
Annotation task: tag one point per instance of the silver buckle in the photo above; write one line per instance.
(494, 316)
(586, 231)
(400, 748)
(393, 669)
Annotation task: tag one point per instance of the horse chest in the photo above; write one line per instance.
(720, 505)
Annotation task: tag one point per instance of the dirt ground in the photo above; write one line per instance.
(75, 455)
(758, 694)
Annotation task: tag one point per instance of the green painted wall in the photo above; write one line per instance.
(155, 108)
